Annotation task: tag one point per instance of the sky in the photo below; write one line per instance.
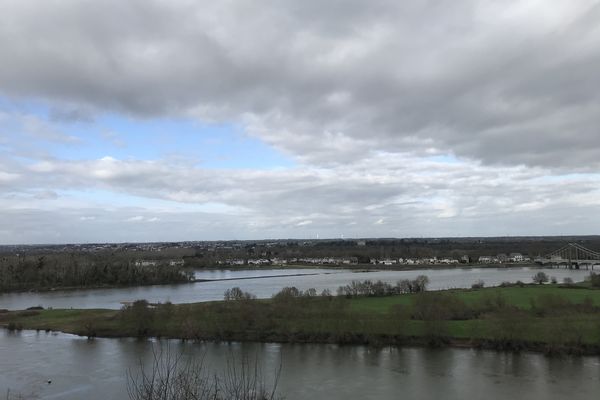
(172, 120)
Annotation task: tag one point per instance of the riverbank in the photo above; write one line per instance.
(548, 318)
(95, 287)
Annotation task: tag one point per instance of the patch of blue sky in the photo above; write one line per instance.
(223, 146)
(206, 145)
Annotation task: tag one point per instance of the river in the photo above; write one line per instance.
(262, 284)
(96, 369)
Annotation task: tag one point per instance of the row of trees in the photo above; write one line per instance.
(76, 270)
(381, 289)
(353, 289)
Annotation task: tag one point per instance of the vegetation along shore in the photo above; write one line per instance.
(542, 317)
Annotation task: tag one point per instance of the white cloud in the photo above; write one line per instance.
(6, 177)
(304, 223)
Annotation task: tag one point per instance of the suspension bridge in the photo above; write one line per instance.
(572, 255)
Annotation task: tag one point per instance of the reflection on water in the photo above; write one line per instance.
(96, 369)
(266, 287)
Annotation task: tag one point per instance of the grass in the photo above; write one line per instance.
(520, 297)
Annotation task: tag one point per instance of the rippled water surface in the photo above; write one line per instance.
(96, 369)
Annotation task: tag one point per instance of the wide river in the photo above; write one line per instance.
(97, 369)
(262, 284)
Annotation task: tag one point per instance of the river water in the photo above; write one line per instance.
(262, 284)
(96, 369)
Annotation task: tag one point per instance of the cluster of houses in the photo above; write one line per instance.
(285, 261)
(499, 259)
(504, 258)
(414, 261)
(154, 263)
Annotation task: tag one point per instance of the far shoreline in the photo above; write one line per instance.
(352, 267)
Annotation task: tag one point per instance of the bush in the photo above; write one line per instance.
(288, 292)
(568, 281)
(494, 302)
(141, 315)
(13, 326)
(550, 304)
(595, 280)
(433, 306)
(540, 278)
(236, 294)
(478, 285)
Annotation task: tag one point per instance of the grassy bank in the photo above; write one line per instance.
(544, 317)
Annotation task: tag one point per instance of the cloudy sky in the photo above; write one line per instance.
(147, 120)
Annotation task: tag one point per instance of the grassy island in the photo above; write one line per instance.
(549, 318)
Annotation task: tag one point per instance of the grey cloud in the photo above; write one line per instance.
(505, 83)
(71, 115)
(385, 196)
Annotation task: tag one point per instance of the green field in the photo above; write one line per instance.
(518, 296)
(545, 317)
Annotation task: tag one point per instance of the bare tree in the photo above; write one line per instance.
(171, 377)
(540, 278)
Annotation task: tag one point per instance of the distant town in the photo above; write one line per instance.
(329, 252)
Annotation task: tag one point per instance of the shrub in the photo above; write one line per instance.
(595, 280)
(235, 294)
(13, 326)
(549, 304)
(420, 283)
(478, 285)
(540, 278)
(432, 306)
(287, 292)
(140, 315)
(494, 302)
(568, 281)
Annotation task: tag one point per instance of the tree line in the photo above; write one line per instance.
(77, 270)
